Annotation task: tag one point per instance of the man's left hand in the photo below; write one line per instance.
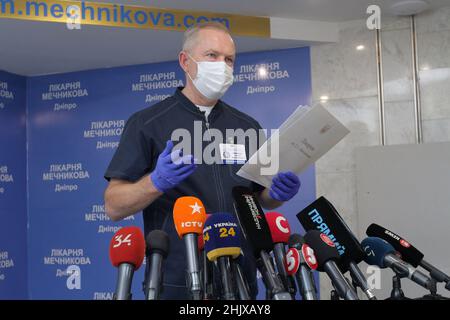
(285, 186)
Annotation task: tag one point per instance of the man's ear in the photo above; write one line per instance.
(183, 60)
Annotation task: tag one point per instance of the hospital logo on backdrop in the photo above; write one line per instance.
(5, 94)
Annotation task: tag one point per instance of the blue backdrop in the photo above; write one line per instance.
(13, 200)
(74, 125)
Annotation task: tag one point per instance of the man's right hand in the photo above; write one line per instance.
(171, 168)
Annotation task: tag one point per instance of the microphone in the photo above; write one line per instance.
(256, 231)
(280, 232)
(189, 217)
(206, 271)
(301, 252)
(242, 285)
(327, 255)
(221, 235)
(126, 252)
(380, 253)
(200, 243)
(408, 252)
(321, 215)
(158, 244)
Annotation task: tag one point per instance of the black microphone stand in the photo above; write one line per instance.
(433, 293)
(397, 292)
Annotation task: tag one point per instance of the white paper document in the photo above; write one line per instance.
(302, 139)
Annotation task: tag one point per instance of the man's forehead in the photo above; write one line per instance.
(216, 40)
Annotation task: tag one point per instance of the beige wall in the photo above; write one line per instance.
(349, 78)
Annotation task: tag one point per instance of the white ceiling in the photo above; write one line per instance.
(34, 48)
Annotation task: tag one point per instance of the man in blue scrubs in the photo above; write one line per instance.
(148, 174)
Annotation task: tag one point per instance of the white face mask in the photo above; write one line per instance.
(213, 78)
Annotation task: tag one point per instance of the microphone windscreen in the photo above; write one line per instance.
(252, 220)
(279, 227)
(292, 261)
(409, 253)
(189, 215)
(322, 216)
(376, 249)
(201, 242)
(309, 256)
(221, 236)
(296, 241)
(158, 241)
(127, 246)
(324, 249)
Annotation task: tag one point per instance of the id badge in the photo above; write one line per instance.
(232, 153)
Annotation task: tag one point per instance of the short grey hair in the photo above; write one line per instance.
(190, 35)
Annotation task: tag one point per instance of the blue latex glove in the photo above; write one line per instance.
(171, 168)
(285, 185)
